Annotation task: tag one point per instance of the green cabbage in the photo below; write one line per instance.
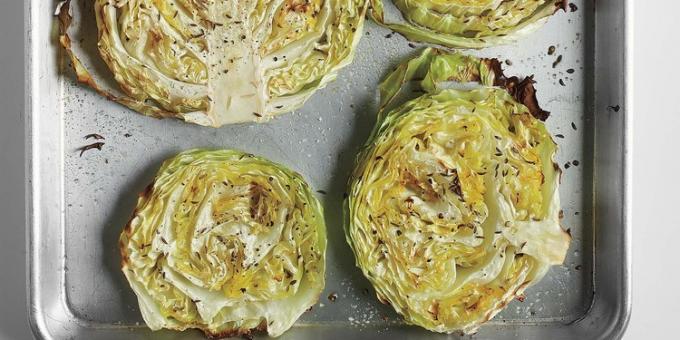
(453, 207)
(468, 23)
(223, 61)
(225, 242)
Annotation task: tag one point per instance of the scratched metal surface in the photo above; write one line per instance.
(80, 204)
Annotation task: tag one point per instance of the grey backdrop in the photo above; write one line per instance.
(13, 307)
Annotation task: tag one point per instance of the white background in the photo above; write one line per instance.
(656, 187)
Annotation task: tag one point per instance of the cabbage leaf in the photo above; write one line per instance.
(219, 62)
(467, 23)
(453, 207)
(225, 242)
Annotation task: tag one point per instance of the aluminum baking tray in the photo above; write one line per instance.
(78, 205)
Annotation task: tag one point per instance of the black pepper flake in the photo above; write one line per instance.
(257, 115)
(570, 71)
(559, 135)
(551, 50)
(567, 165)
(557, 61)
(243, 290)
(573, 126)
(97, 146)
(615, 108)
(573, 7)
(578, 267)
(412, 45)
(332, 297)
(127, 135)
(575, 162)
(293, 282)
(562, 82)
(95, 136)
(322, 192)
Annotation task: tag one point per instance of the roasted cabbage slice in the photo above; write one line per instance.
(220, 61)
(225, 242)
(467, 23)
(453, 207)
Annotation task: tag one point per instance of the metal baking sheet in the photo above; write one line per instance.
(78, 205)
